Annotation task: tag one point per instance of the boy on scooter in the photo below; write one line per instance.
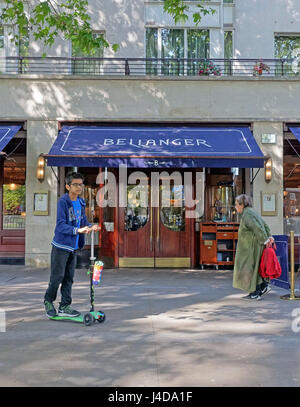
(71, 226)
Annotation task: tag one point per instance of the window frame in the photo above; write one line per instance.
(285, 68)
(87, 67)
(227, 65)
(182, 69)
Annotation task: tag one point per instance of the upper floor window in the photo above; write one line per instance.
(286, 47)
(1, 39)
(24, 44)
(85, 65)
(169, 44)
(23, 49)
(2, 50)
(197, 47)
(161, 1)
(172, 46)
(228, 51)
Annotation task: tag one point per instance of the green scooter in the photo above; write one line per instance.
(88, 318)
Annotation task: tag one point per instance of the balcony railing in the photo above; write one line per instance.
(166, 67)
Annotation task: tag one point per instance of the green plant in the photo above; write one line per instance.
(13, 198)
(207, 67)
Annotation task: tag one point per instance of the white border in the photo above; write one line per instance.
(134, 129)
(2, 128)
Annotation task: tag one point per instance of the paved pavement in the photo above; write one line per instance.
(163, 328)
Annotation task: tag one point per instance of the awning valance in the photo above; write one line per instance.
(6, 134)
(159, 146)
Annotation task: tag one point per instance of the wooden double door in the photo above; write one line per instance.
(154, 230)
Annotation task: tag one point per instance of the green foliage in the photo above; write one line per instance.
(207, 67)
(50, 19)
(178, 9)
(12, 199)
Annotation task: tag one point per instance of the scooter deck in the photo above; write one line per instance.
(79, 318)
(87, 318)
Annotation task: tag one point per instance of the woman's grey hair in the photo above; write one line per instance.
(244, 199)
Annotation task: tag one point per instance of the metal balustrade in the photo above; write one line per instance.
(162, 67)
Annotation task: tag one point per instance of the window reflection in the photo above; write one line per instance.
(137, 210)
(13, 206)
(14, 194)
(86, 65)
(173, 215)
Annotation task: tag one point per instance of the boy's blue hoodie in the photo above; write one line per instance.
(66, 231)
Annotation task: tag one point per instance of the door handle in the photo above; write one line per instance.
(151, 228)
(158, 224)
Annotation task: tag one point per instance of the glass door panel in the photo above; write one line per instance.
(151, 51)
(172, 232)
(198, 47)
(136, 247)
(173, 215)
(137, 210)
(172, 46)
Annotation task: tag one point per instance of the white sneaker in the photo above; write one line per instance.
(255, 297)
(67, 311)
(266, 290)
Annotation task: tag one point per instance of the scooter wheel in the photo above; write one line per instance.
(88, 319)
(101, 317)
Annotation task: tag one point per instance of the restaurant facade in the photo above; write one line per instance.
(163, 156)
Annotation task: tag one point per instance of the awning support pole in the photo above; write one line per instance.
(55, 175)
(251, 182)
(292, 295)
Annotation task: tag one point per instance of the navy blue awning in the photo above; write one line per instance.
(168, 146)
(6, 134)
(296, 132)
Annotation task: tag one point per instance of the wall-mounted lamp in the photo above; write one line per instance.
(268, 170)
(40, 171)
(12, 186)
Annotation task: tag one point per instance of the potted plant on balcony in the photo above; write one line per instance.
(259, 68)
(207, 67)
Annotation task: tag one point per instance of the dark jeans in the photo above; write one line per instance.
(260, 287)
(62, 272)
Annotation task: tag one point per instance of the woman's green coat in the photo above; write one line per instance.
(253, 232)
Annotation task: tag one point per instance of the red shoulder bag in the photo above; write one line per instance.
(269, 266)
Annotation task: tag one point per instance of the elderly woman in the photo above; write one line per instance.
(254, 233)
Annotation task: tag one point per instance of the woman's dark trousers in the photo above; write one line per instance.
(63, 265)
